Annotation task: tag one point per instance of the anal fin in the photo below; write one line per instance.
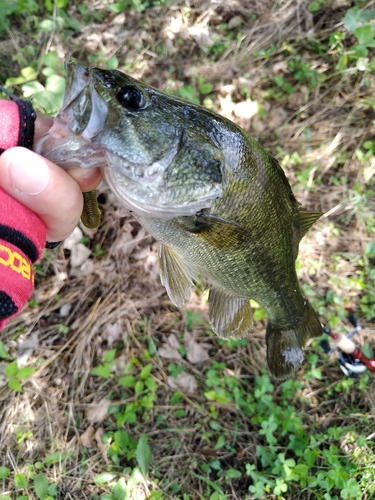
(174, 275)
(230, 317)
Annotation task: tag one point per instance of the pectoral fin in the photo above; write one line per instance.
(217, 232)
(174, 275)
(230, 317)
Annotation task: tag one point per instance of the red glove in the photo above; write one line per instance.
(22, 233)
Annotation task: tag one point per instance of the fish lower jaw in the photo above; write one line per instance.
(150, 199)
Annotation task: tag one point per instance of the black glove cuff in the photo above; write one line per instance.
(27, 123)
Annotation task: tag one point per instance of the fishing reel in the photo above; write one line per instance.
(351, 359)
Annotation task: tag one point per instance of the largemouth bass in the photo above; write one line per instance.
(220, 206)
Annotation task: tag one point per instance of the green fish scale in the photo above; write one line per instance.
(262, 266)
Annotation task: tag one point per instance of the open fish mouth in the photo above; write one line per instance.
(69, 142)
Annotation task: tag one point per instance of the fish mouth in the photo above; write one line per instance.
(69, 142)
(77, 78)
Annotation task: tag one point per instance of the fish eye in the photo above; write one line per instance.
(131, 97)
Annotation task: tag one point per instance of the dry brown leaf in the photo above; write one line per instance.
(276, 118)
(226, 89)
(87, 437)
(88, 267)
(184, 381)
(79, 255)
(234, 22)
(28, 346)
(195, 352)
(65, 310)
(246, 109)
(208, 452)
(258, 125)
(280, 67)
(226, 105)
(201, 34)
(339, 4)
(126, 242)
(170, 348)
(113, 332)
(102, 447)
(73, 239)
(97, 411)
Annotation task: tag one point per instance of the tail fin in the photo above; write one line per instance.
(284, 347)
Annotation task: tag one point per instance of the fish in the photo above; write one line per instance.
(219, 205)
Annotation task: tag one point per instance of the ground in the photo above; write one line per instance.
(130, 397)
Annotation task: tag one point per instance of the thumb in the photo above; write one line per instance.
(44, 188)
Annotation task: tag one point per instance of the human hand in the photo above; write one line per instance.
(36, 196)
(54, 194)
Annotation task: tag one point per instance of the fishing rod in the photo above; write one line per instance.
(352, 361)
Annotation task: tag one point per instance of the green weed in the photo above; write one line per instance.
(360, 24)
(17, 375)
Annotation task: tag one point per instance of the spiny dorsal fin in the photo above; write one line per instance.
(230, 317)
(307, 219)
(174, 275)
(217, 232)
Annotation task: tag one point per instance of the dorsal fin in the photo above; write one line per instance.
(230, 317)
(174, 275)
(307, 219)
